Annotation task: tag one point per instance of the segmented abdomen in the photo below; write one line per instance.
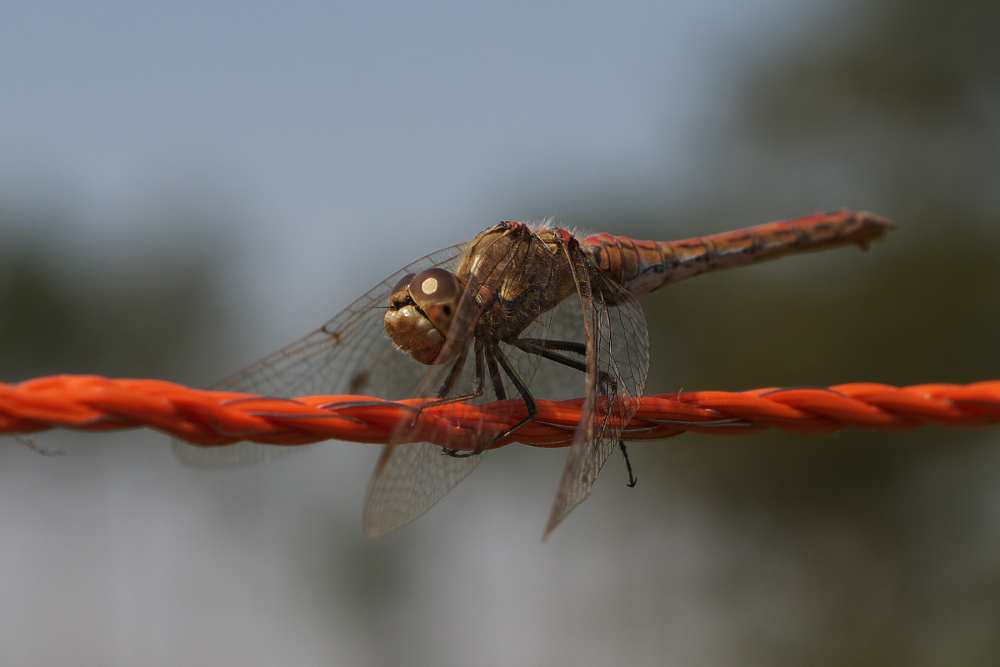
(643, 266)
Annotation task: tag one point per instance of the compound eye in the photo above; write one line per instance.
(437, 293)
(400, 293)
(434, 286)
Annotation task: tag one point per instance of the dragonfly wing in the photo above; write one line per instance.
(350, 354)
(409, 479)
(617, 364)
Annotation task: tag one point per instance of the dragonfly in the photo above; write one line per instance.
(474, 323)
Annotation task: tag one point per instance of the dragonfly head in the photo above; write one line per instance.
(421, 307)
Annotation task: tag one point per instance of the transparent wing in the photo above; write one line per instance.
(411, 477)
(617, 364)
(350, 354)
(408, 481)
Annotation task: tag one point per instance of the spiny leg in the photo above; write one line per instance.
(606, 383)
(477, 391)
(452, 377)
(543, 348)
(632, 479)
(529, 402)
(534, 346)
(561, 345)
(495, 377)
(449, 384)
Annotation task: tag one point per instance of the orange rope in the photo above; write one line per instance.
(209, 418)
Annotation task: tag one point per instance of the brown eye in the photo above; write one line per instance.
(436, 285)
(399, 293)
(436, 292)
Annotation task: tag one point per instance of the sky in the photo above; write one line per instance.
(314, 125)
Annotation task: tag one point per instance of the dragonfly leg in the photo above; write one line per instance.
(498, 389)
(632, 479)
(452, 377)
(561, 345)
(497, 355)
(534, 346)
(495, 376)
(448, 385)
(543, 348)
(477, 390)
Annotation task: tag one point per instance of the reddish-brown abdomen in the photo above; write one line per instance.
(643, 266)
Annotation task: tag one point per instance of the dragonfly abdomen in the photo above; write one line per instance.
(643, 266)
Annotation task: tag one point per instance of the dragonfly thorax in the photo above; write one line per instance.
(421, 307)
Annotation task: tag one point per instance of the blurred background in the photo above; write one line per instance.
(187, 187)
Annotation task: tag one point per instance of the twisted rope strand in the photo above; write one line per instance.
(211, 419)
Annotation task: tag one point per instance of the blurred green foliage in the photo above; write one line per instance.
(64, 312)
(895, 109)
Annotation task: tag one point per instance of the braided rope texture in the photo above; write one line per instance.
(212, 419)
